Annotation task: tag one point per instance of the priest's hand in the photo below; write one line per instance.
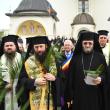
(49, 77)
(97, 80)
(40, 81)
(9, 87)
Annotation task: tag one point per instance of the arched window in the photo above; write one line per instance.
(83, 6)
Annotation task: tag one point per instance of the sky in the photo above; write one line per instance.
(7, 6)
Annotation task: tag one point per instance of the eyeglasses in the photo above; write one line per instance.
(89, 43)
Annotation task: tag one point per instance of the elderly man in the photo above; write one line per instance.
(10, 59)
(68, 53)
(68, 47)
(85, 84)
(35, 76)
(105, 45)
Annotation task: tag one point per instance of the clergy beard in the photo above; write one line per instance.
(87, 50)
(41, 57)
(10, 55)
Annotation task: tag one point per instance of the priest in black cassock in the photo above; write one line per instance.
(85, 87)
(105, 45)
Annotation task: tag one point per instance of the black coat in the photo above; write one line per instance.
(86, 97)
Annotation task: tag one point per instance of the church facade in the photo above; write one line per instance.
(64, 18)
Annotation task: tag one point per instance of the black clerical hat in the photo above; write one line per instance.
(9, 38)
(40, 40)
(36, 40)
(87, 35)
(103, 32)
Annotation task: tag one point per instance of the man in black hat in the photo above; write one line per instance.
(9, 60)
(103, 37)
(105, 45)
(85, 84)
(35, 76)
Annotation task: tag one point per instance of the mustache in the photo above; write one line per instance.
(9, 49)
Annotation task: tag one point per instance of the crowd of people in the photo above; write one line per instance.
(60, 74)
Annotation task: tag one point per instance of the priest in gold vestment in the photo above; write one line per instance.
(38, 81)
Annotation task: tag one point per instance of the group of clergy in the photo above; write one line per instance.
(76, 78)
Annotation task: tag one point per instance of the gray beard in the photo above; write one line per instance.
(87, 51)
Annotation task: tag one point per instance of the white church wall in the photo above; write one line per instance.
(47, 23)
(66, 11)
(101, 14)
